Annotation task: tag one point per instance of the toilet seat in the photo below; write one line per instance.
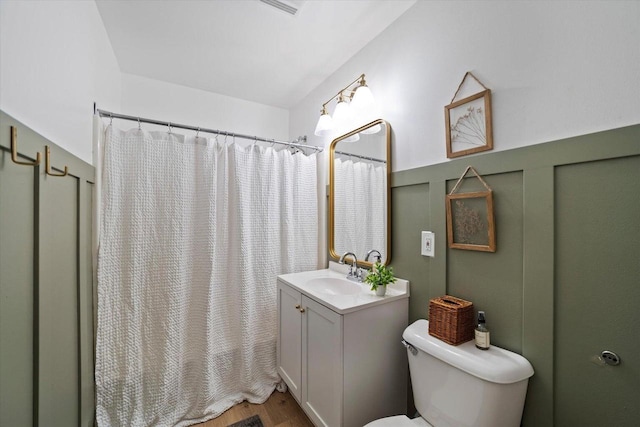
(399, 421)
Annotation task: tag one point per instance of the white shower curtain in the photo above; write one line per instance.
(359, 207)
(193, 234)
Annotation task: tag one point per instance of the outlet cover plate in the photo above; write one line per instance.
(428, 244)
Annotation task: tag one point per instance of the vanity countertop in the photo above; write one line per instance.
(357, 299)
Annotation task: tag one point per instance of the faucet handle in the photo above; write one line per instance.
(350, 274)
(355, 273)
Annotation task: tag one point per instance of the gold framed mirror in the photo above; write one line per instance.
(359, 193)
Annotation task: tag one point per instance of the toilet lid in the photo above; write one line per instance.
(399, 421)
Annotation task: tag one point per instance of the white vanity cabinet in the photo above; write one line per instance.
(289, 349)
(345, 367)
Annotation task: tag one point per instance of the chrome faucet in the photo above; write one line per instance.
(354, 272)
(378, 255)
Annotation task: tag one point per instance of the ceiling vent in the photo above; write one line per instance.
(285, 6)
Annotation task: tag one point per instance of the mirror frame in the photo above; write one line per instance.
(332, 251)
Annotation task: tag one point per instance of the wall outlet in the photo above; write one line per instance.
(428, 244)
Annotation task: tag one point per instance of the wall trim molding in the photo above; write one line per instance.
(430, 277)
(621, 142)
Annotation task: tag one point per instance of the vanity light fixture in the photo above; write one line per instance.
(355, 106)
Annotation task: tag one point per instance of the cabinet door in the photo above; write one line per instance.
(321, 364)
(289, 343)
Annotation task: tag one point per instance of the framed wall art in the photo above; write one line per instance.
(470, 218)
(468, 122)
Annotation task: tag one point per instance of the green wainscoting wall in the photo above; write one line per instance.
(564, 283)
(46, 285)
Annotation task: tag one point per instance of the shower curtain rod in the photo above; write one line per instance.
(360, 157)
(109, 114)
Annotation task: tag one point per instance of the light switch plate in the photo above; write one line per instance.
(428, 244)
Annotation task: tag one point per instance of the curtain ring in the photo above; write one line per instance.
(111, 119)
(255, 140)
(197, 133)
(139, 126)
(169, 124)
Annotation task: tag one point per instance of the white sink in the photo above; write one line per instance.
(334, 286)
(331, 288)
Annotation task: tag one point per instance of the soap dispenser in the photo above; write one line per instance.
(482, 333)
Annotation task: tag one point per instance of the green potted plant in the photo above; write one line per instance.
(379, 277)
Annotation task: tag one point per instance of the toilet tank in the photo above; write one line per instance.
(464, 386)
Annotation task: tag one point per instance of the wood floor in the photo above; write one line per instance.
(280, 410)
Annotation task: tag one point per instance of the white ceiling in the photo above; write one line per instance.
(243, 48)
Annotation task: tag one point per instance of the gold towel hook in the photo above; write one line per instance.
(47, 161)
(14, 150)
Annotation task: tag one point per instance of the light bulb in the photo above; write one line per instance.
(342, 118)
(362, 99)
(365, 109)
(341, 114)
(324, 126)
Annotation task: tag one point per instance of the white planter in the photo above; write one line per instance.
(381, 290)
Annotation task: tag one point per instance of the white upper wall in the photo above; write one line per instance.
(163, 101)
(55, 61)
(556, 69)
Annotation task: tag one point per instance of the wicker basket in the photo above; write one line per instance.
(451, 319)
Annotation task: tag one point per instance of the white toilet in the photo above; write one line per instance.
(460, 386)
